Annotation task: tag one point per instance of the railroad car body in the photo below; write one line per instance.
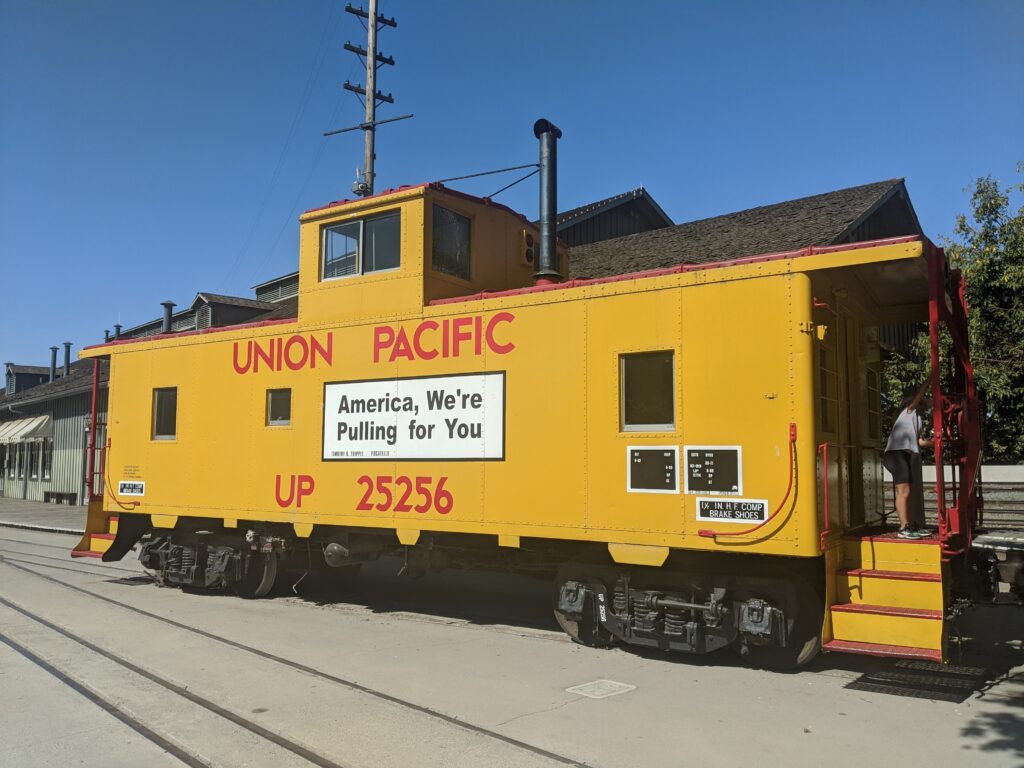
(686, 450)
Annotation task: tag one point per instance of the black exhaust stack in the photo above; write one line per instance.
(117, 331)
(168, 306)
(53, 363)
(547, 266)
(67, 357)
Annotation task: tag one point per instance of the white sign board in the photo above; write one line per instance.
(746, 511)
(428, 418)
(131, 488)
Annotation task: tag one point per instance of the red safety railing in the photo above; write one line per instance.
(956, 413)
(827, 529)
(90, 448)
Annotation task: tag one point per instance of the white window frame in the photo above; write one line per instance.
(279, 422)
(623, 426)
(397, 212)
(153, 426)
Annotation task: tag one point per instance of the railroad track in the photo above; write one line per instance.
(33, 648)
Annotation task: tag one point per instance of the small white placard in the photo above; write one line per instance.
(727, 510)
(459, 417)
(131, 488)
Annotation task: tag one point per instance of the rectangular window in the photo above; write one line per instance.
(647, 392)
(33, 461)
(279, 407)
(47, 458)
(20, 459)
(450, 254)
(361, 247)
(11, 459)
(165, 413)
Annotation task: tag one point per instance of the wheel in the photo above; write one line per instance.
(260, 575)
(586, 632)
(804, 610)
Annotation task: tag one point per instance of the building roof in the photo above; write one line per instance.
(41, 370)
(202, 297)
(77, 381)
(276, 280)
(584, 212)
(824, 219)
(281, 310)
(231, 301)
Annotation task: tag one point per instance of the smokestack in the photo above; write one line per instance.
(67, 357)
(168, 306)
(547, 266)
(117, 330)
(106, 336)
(53, 363)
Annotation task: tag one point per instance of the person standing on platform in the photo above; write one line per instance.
(905, 444)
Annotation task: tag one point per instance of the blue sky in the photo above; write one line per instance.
(153, 148)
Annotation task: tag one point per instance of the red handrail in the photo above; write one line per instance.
(91, 447)
(823, 450)
(709, 534)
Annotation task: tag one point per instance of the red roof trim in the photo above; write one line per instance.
(681, 268)
(201, 332)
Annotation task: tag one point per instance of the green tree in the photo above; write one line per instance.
(989, 248)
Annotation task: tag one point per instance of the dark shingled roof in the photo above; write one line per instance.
(583, 212)
(77, 381)
(816, 220)
(38, 370)
(232, 301)
(282, 310)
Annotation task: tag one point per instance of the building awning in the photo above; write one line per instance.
(32, 428)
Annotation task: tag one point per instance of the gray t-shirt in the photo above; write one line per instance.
(905, 432)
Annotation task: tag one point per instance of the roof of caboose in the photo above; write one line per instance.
(856, 214)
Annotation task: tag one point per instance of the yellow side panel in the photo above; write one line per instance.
(742, 362)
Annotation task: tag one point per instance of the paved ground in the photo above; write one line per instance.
(459, 669)
(35, 514)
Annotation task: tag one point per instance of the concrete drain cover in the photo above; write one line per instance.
(601, 689)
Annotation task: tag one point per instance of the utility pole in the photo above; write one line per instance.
(363, 184)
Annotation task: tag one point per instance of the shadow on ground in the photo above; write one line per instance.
(991, 637)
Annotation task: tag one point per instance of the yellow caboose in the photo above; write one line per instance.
(687, 450)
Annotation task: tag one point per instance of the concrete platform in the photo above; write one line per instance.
(41, 516)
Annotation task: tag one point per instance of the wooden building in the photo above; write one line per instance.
(43, 434)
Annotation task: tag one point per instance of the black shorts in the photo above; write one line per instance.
(898, 464)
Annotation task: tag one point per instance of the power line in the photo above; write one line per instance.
(314, 72)
(488, 173)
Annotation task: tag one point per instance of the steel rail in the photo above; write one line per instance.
(419, 708)
(281, 741)
(106, 705)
